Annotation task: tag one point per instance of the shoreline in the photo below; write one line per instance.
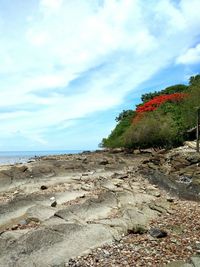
(22, 157)
(100, 197)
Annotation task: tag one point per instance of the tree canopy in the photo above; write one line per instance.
(162, 119)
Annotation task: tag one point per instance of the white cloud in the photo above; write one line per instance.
(51, 5)
(191, 56)
(38, 39)
(76, 57)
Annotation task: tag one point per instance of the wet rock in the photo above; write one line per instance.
(158, 233)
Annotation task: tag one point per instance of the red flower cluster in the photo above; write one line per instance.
(154, 103)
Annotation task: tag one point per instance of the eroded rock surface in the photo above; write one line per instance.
(100, 198)
(177, 170)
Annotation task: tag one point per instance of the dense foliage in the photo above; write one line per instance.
(178, 88)
(161, 120)
(155, 102)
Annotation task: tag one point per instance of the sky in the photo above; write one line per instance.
(69, 67)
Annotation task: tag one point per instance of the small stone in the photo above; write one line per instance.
(43, 187)
(23, 222)
(54, 204)
(15, 227)
(189, 248)
(158, 233)
(85, 174)
(157, 194)
(103, 162)
(197, 244)
(106, 253)
(169, 199)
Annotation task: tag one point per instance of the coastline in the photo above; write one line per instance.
(101, 196)
(14, 157)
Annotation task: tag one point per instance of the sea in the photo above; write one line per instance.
(12, 157)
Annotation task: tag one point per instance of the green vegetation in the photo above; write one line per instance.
(161, 120)
(178, 88)
(115, 139)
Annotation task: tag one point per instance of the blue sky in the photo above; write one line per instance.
(68, 67)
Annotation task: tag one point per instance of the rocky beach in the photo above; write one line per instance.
(103, 208)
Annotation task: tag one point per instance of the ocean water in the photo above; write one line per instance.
(11, 157)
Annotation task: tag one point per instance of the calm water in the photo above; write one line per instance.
(11, 157)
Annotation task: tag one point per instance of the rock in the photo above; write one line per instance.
(103, 162)
(136, 220)
(43, 187)
(39, 213)
(23, 222)
(153, 192)
(178, 264)
(198, 244)
(54, 245)
(23, 168)
(157, 208)
(123, 176)
(193, 158)
(10, 236)
(90, 209)
(108, 184)
(86, 187)
(116, 150)
(85, 174)
(158, 233)
(54, 204)
(185, 179)
(191, 144)
(152, 166)
(15, 227)
(195, 261)
(156, 194)
(170, 199)
(120, 175)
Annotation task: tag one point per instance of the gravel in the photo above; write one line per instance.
(182, 241)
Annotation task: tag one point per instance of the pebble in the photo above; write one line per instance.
(137, 250)
(54, 204)
(43, 187)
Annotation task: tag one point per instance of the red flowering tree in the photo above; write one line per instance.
(156, 102)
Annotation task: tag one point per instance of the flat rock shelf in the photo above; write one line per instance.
(105, 214)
